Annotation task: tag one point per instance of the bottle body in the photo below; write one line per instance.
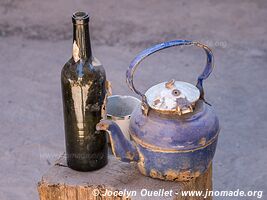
(84, 93)
(83, 104)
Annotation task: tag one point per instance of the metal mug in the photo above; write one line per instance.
(119, 110)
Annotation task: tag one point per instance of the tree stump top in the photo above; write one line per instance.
(63, 183)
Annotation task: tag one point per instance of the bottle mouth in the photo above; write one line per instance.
(80, 17)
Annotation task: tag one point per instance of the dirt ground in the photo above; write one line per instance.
(35, 42)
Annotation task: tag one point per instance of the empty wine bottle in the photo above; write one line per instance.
(83, 83)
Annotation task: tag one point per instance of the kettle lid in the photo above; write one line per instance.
(173, 97)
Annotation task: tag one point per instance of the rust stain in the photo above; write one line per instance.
(129, 155)
(155, 174)
(102, 126)
(174, 175)
(170, 84)
(156, 102)
(108, 87)
(141, 163)
(202, 141)
(104, 108)
(185, 175)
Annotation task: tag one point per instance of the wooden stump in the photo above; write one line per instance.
(63, 183)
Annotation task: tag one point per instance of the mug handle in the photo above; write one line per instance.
(147, 52)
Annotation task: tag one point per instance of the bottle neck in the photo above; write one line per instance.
(81, 40)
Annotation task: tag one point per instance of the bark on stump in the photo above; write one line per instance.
(62, 183)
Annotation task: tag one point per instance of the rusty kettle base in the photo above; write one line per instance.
(169, 166)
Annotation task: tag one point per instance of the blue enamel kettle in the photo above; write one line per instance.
(174, 130)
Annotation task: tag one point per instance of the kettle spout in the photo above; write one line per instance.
(121, 147)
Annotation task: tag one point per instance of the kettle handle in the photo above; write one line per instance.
(147, 52)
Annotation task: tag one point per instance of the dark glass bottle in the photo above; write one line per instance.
(83, 82)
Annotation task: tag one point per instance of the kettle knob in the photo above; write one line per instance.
(170, 84)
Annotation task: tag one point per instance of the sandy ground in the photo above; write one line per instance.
(35, 42)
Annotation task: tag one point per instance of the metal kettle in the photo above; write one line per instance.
(174, 131)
